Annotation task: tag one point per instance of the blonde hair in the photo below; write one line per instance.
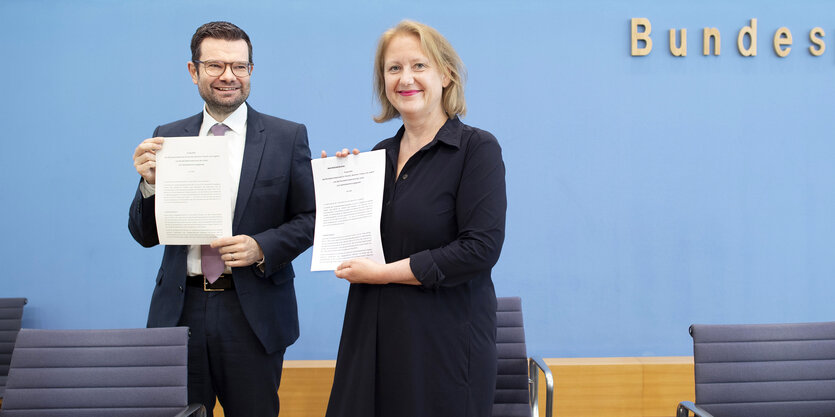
(439, 51)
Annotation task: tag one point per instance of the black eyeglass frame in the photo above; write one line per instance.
(225, 65)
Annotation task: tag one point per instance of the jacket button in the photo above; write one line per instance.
(405, 176)
(181, 288)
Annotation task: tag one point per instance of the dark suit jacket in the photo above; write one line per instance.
(275, 206)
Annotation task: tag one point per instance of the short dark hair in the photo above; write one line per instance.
(218, 30)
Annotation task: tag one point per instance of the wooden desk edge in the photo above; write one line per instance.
(644, 360)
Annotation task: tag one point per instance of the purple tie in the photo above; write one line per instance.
(219, 129)
(210, 260)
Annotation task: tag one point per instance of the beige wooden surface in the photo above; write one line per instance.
(667, 381)
(596, 387)
(585, 387)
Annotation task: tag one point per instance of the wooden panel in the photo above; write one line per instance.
(667, 381)
(305, 388)
(596, 387)
(584, 387)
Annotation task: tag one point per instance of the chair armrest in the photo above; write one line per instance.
(196, 410)
(535, 366)
(685, 407)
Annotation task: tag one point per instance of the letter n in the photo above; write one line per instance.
(708, 34)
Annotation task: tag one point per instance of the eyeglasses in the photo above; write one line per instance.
(216, 68)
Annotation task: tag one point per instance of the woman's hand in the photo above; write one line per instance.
(361, 271)
(343, 153)
(366, 271)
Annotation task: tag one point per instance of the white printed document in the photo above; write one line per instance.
(193, 203)
(349, 202)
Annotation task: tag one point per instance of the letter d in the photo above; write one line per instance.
(752, 32)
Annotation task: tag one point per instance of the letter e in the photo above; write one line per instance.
(783, 37)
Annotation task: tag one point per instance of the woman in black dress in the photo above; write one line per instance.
(419, 332)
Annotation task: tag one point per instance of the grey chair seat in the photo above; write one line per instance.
(763, 370)
(91, 373)
(517, 378)
(11, 314)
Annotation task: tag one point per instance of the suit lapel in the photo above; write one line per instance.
(253, 149)
(191, 126)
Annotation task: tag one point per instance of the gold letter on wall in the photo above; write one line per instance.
(816, 36)
(752, 32)
(710, 33)
(641, 36)
(783, 37)
(675, 49)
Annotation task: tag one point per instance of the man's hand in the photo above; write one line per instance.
(238, 251)
(145, 158)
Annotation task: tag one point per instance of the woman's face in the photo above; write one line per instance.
(414, 83)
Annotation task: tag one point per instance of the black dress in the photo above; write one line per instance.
(429, 350)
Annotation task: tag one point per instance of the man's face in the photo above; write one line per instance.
(226, 92)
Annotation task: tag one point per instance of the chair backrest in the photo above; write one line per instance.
(765, 370)
(511, 398)
(11, 312)
(92, 373)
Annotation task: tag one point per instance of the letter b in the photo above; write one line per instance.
(641, 36)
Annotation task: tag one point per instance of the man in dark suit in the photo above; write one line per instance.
(236, 295)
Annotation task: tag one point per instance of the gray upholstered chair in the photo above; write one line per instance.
(517, 381)
(763, 370)
(11, 312)
(97, 373)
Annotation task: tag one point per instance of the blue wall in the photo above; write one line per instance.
(645, 193)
